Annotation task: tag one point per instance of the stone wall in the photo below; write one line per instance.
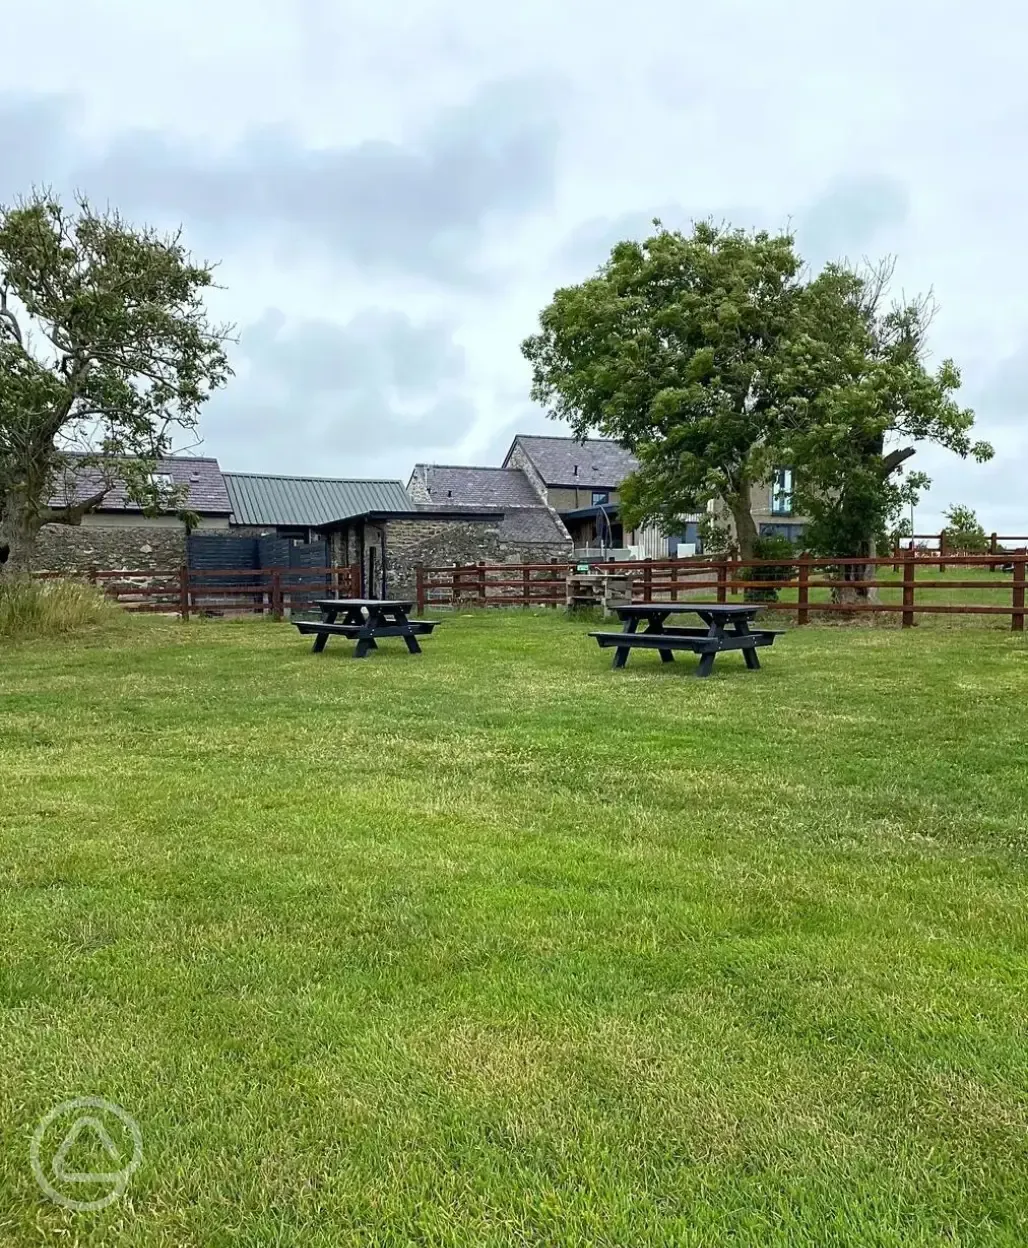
(435, 543)
(535, 552)
(132, 548)
(518, 459)
(417, 486)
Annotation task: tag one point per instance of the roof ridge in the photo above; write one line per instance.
(471, 467)
(559, 437)
(178, 459)
(286, 476)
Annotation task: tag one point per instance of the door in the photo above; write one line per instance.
(372, 572)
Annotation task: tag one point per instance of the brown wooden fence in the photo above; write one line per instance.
(225, 591)
(942, 547)
(815, 586)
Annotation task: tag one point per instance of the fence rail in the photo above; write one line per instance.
(811, 587)
(224, 591)
(944, 547)
(814, 586)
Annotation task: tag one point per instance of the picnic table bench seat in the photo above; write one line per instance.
(707, 642)
(365, 621)
(313, 627)
(699, 641)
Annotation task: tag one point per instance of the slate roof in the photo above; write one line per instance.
(260, 499)
(600, 463)
(525, 517)
(451, 486)
(530, 524)
(202, 478)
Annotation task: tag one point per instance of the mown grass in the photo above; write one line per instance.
(496, 946)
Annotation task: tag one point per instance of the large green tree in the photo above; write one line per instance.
(714, 358)
(856, 397)
(669, 349)
(106, 355)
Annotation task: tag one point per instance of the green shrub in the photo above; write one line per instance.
(30, 607)
(771, 547)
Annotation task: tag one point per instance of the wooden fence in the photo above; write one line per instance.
(674, 580)
(942, 548)
(225, 591)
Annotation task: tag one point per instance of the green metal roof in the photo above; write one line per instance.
(257, 498)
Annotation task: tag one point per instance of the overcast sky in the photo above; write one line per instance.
(395, 190)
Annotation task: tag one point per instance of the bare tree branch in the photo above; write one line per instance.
(893, 460)
(8, 318)
(73, 512)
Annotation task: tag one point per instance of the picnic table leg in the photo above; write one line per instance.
(408, 633)
(656, 625)
(706, 663)
(622, 652)
(366, 637)
(321, 640)
(749, 653)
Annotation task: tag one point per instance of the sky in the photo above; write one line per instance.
(393, 191)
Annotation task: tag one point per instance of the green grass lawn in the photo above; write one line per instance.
(496, 946)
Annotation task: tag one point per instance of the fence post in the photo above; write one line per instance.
(481, 582)
(909, 568)
(942, 551)
(419, 575)
(526, 585)
(993, 543)
(722, 580)
(647, 582)
(803, 594)
(1017, 612)
(183, 592)
(276, 594)
(674, 582)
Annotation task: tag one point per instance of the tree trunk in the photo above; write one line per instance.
(858, 594)
(17, 538)
(745, 526)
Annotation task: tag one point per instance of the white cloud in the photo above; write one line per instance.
(341, 156)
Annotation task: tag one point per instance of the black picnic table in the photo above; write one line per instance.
(365, 621)
(707, 642)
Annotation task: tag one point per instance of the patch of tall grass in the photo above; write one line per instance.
(30, 607)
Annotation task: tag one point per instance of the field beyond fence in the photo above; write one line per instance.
(896, 585)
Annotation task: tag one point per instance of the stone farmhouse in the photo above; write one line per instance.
(551, 499)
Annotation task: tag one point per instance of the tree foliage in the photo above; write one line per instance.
(857, 396)
(106, 353)
(964, 532)
(715, 358)
(668, 350)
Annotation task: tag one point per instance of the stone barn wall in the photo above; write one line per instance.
(135, 548)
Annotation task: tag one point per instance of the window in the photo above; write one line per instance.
(781, 492)
(600, 497)
(162, 480)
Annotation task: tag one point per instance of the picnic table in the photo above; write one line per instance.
(365, 621)
(707, 642)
